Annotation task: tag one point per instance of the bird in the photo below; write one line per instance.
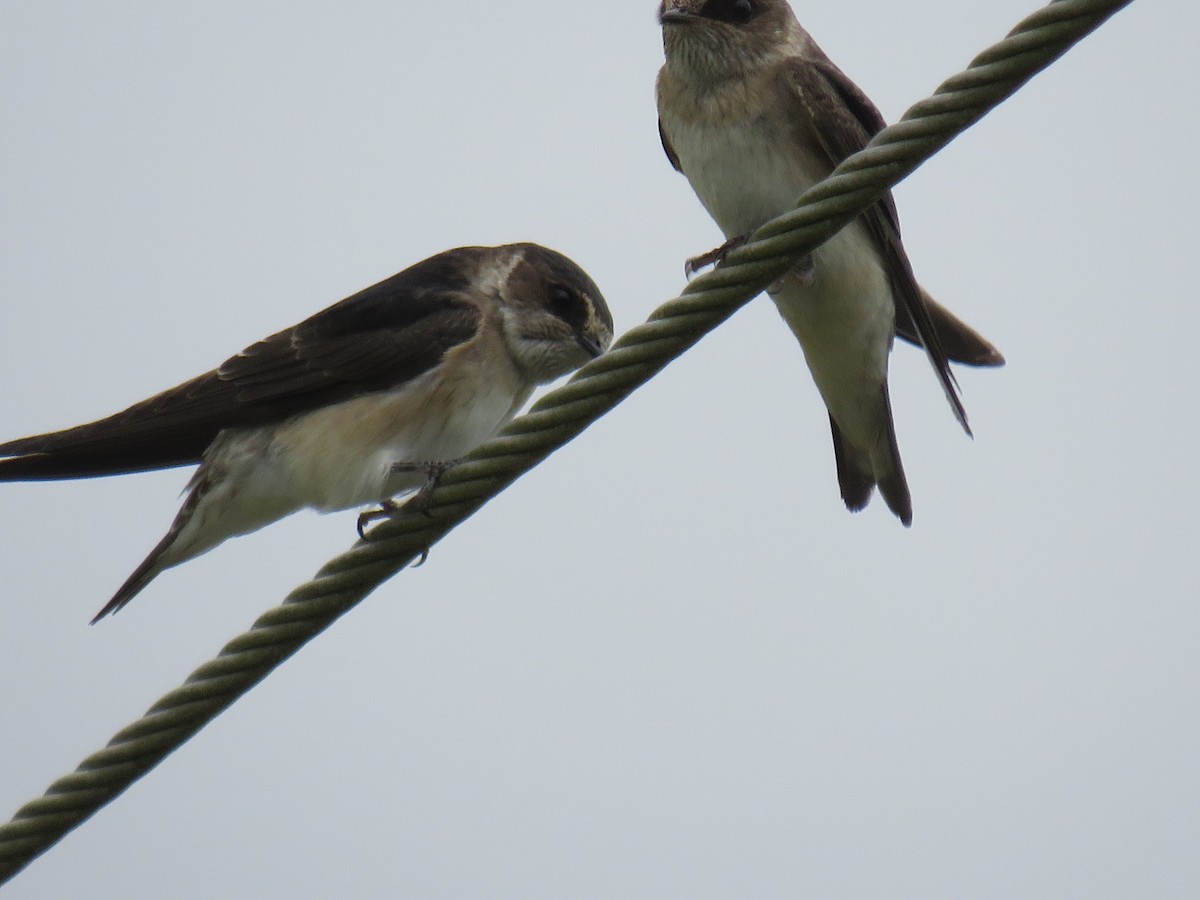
(753, 113)
(355, 405)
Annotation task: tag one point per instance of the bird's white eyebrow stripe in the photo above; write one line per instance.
(497, 276)
(335, 401)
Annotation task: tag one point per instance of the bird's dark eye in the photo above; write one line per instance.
(736, 12)
(564, 303)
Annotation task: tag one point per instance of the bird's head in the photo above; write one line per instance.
(553, 317)
(716, 39)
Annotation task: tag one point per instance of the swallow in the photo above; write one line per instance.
(350, 407)
(753, 113)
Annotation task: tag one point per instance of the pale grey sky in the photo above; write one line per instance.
(668, 663)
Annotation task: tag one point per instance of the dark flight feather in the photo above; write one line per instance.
(844, 121)
(375, 340)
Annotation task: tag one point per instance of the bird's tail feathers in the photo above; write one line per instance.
(859, 473)
(960, 342)
(151, 566)
(855, 481)
(168, 552)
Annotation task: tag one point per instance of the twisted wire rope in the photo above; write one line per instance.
(558, 417)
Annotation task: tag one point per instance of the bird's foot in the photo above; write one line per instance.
(387, 509)
(713, 257)
(418, 502)
(804, 272)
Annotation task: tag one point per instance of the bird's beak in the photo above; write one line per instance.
(590, 345)
(676, 16)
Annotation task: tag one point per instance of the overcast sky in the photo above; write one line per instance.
(668, 663)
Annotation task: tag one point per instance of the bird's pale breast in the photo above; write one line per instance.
(341, 456)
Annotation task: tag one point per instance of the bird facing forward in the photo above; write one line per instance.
(347, 408)
(754, 113)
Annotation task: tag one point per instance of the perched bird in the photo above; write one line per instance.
(754, 113)
(350, 407)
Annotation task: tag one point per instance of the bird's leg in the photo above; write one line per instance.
(713, 257)
(804, 272)
(419, 501)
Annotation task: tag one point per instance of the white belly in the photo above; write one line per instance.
(342, 456)
(844, 321)
(743, 172)
(843, 313)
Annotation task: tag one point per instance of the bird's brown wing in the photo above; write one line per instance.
(378, 339)
(672, 156)
(844, 121)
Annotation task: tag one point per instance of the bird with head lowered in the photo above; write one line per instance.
(352, 406)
